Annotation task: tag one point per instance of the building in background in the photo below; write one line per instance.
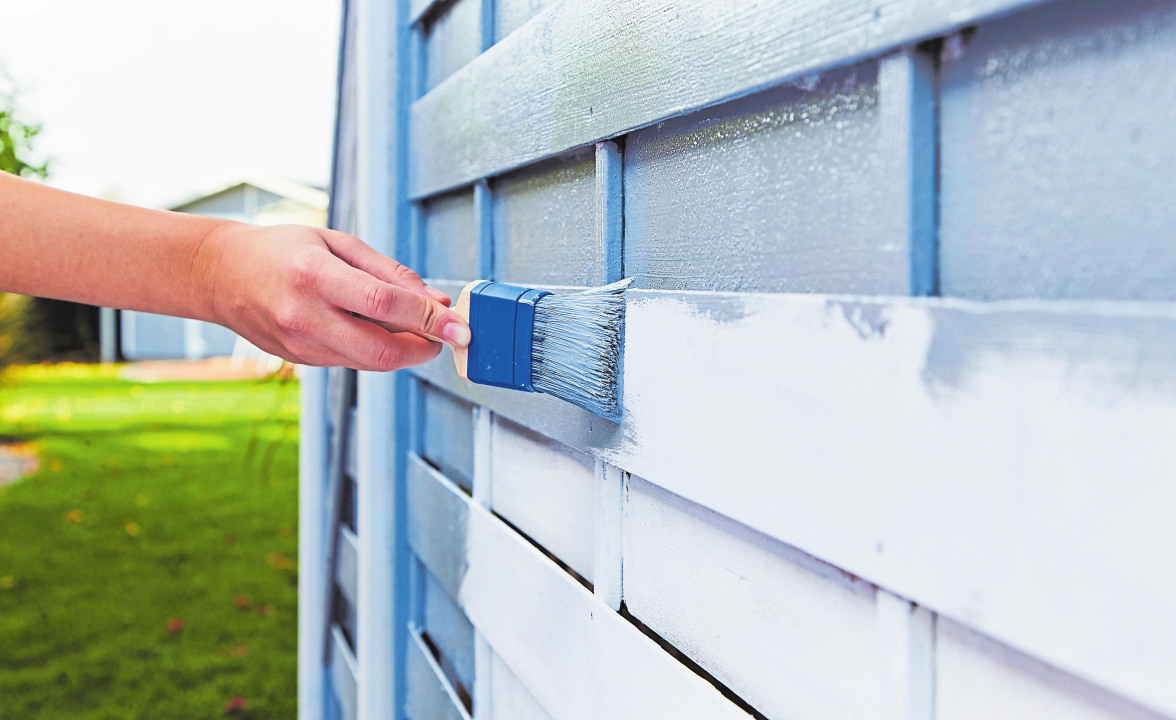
(254, 199)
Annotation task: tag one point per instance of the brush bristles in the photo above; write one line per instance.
(576, 346)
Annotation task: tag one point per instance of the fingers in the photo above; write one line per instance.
(359, 254)
(367, 347)
(355, 290)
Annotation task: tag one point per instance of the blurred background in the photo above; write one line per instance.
(148, 507)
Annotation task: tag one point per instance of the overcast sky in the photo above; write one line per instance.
(152, 100)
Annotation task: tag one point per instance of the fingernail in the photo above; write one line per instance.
(438, 295)
(456, 333)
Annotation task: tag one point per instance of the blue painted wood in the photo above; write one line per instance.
(544, 224)
(453, 37)
(450, 632)
(449, 237)
(1058, 150)
(447, 434)
(785, 191)
(429, 696)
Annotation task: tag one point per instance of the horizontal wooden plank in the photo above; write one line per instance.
(579, 658)
(838, 417)
(450, 631)
(509, 698)
(447, 434)
(791, 635)
(343, 674)
(979, 679)
(428, 695)
(449, 229)
(346, 564)
(544, 220)
(546, 490)
(553, 84)
(436, 524)
(1056, 175)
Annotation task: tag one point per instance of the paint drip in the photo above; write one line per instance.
(576, 347)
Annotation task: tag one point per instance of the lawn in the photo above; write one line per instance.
(147, 570)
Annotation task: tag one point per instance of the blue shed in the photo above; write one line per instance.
(899, 368)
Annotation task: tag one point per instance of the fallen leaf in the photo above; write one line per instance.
(265, 610)
(238, 651)
(132, 529)
(175, 625)
(242, 602)
(235, 705)
(74, 516)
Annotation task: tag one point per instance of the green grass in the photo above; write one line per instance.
(153, 503)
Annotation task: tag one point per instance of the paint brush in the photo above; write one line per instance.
(566, 345)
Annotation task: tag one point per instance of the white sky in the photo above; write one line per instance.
(153, 100)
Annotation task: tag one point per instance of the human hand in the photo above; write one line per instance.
(294, 291)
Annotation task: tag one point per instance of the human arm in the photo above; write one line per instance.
(291, 290)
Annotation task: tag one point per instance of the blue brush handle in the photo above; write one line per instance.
(502, 319)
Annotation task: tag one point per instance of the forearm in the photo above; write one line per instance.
(71, 247)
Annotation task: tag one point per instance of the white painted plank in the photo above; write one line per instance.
(547, 491)
(346, 566)
(579, 658)
(992, 462)
(979, 679)
(428, 695)
(509, 698)
(436, 523)
(792, 636)
(343, 674)
(552, 84)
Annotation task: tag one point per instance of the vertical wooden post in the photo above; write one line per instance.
(906, 90)
(382, 98)
(312, 543)
(906, 659)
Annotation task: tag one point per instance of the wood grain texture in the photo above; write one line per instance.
(544, 224)
(552, 84)
(979, 679)
(792, 636)
(547, 491)
(428, 694)
(991, 462)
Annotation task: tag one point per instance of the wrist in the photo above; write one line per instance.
(208, 269)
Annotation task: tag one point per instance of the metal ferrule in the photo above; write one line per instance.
(502, 319)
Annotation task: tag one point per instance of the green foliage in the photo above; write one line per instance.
(16, 135)
(147, 569)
